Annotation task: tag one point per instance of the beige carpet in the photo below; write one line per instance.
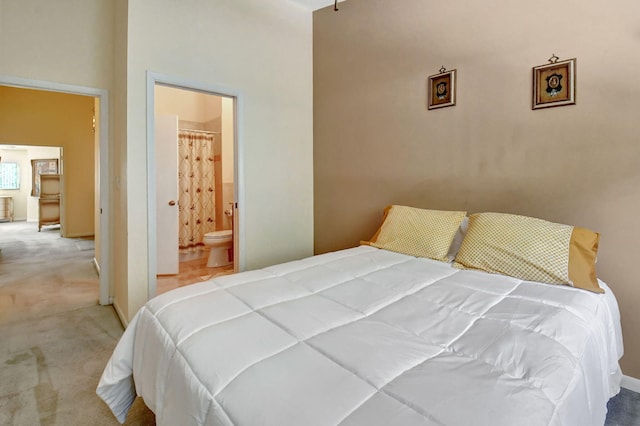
(54, 337)
(50, 367)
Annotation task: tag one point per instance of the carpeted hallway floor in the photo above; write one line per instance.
(55, 339)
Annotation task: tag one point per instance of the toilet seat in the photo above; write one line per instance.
(219, 235)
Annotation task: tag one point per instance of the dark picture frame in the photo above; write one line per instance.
(554, 84)
(42, 167)
(442, 89)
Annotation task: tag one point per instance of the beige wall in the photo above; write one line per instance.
(33, 117)
(375, 142)
(65, 41)
(188, 105)
(118, 286)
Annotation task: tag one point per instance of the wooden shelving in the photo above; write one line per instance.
(49, 201)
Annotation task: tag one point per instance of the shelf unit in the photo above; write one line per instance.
(6, 208)
(49, 201)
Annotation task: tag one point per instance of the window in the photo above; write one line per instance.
(9, 176)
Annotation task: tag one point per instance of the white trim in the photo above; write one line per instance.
(96, 265)
(103, 97)
(152, 255)
(630, 383)
(154, 78)
(123, 319)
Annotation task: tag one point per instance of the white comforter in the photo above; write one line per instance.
(369, 337)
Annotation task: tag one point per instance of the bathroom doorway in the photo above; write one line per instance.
(195, 186)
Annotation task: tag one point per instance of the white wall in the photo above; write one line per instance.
(263, 50)
(65, 41)
(68, 42)
(20, 196)
(227, 140)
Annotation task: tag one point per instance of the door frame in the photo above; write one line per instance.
(154, 78)
(103, 98)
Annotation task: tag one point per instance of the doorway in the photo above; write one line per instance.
(192, 144)
(99, 99)
(28, 163)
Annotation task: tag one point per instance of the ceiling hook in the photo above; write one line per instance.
(553, 59)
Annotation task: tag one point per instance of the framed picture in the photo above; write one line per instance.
(41, 167)
(554, 84)
(442, 89)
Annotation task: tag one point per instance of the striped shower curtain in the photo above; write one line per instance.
(196, 187)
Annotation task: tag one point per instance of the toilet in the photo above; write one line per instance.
(221, 244)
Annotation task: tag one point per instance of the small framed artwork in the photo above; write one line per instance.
(442, 89)
(41, 167)
(554, 84)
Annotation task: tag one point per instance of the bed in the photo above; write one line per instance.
(369, 336)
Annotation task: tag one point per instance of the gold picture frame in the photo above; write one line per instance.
(554, 84)
(41, 167)
(442, 89)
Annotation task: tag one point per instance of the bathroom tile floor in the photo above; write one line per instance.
(191, 272)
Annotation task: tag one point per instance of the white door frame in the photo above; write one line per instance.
(154, 78)
(103, 97)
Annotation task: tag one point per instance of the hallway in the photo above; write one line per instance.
(42, 273)
(55, 338)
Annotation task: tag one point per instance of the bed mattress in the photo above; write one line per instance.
(369, 337)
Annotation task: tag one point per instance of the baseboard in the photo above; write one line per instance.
(630, 383)
(96, 265)
(80, 235)
(123, 319)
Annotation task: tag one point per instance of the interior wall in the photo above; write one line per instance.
(224, 44)
(34, 117)
(119, 286)
(375, 142)
(188, 105)
(228, 164)
(68, 42)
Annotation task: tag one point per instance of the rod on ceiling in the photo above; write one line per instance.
(335, 5)
(200, 131)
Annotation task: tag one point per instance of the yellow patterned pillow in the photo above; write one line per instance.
(530, 249)
(417, 232)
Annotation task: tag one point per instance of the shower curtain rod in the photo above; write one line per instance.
(200, 131)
